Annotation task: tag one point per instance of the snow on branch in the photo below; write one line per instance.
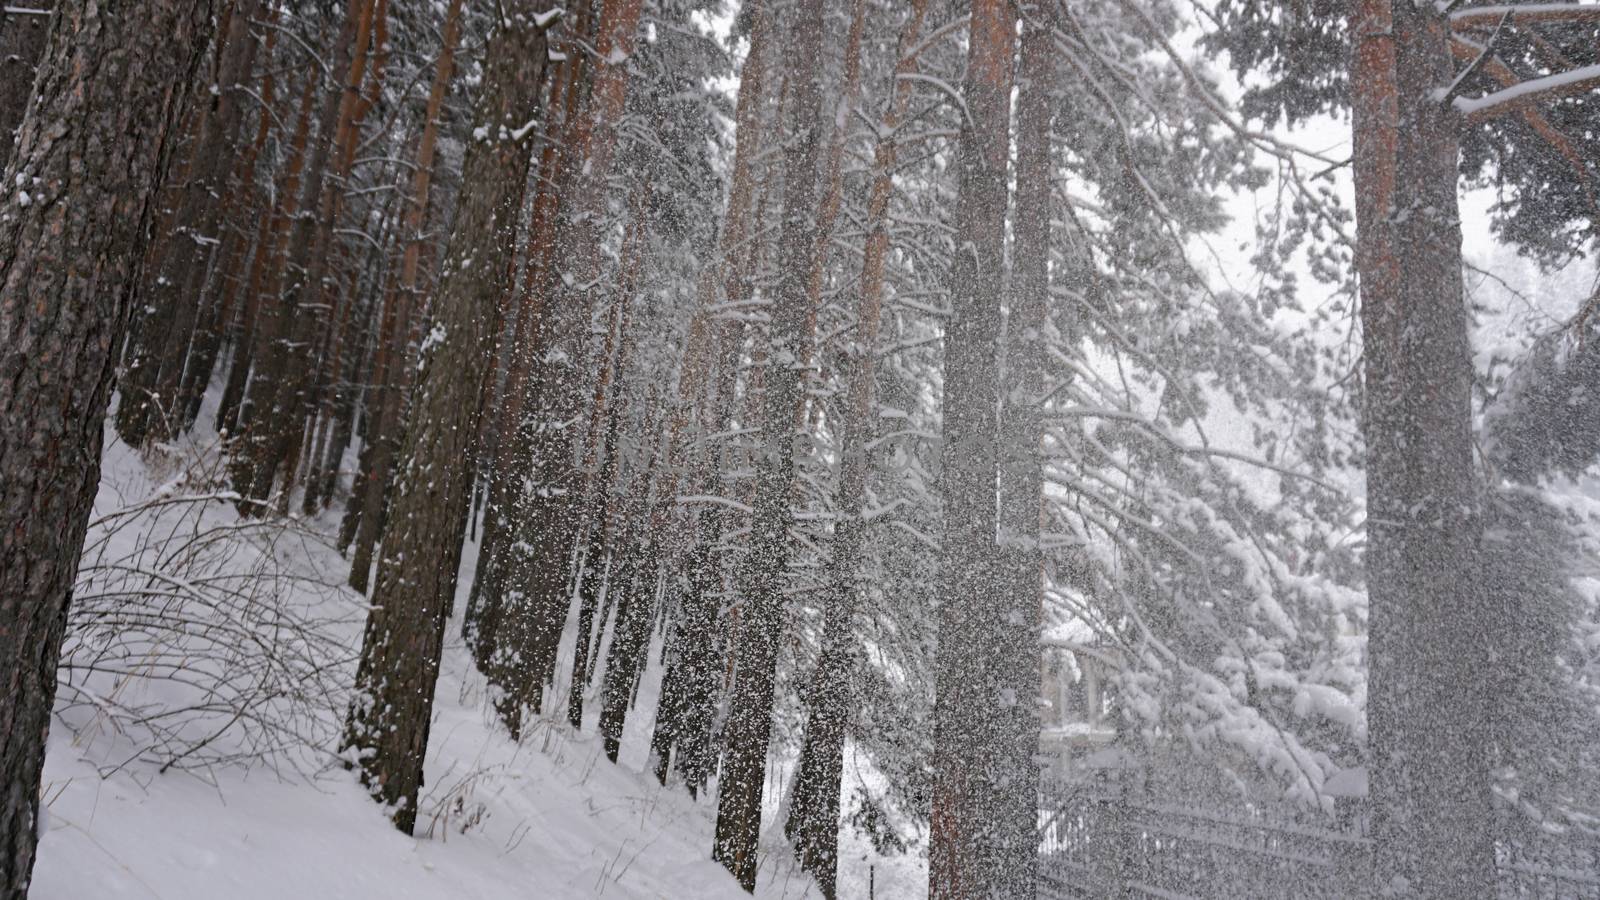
(1522, 13)
(1477, 109)
(198, 640)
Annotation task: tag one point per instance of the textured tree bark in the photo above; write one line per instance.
(974, 848)
(761, 579)
(89, 159)
(148, 409)
(1429, 627)
(384, 427)
(22, 41)
(543, 526)
(272, 421)
(421, 547)
(248, 206)
(813, 823)
(689, 689)
(481, 623)
(262, 316)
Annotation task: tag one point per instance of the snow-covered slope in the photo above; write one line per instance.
(546, 818)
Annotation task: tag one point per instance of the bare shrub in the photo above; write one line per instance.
(199, 638)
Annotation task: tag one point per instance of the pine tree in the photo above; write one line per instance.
(978, 848)
(813, 823)
(415, 582)
(761, 578)
(1429, 622)
(23, 33)
(113, 85)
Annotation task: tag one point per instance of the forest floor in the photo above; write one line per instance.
(548, 817)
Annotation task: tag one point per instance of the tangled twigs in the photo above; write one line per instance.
(197, 639)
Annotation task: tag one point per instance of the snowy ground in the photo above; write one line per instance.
(549, 818)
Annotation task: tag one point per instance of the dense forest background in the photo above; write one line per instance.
(939, 431)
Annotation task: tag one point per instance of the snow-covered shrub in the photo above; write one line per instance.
(196, 638)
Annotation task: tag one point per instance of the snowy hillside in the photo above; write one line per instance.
(546, 818)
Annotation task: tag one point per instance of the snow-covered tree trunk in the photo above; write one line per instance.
(1428, 626)
(977, 849)
(762, 576)
(75, 210)
(422, 543)
(813, 822)
(543, 526)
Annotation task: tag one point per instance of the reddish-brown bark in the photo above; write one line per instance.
(82, 180)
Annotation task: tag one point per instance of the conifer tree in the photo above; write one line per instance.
(113, 86)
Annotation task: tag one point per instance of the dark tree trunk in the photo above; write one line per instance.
(602, 464)
(172, 299)
(543, 525)
(630, 640)
(326, 401)
(22, 41)
(693, 677)
(262, 317)
(247, 206)
(417, 569)
(813, 823)
(689, 690)
(761, 579)
(1429, 629)
(977, 848)
(390, 370)
(274, 424)
(90, 157)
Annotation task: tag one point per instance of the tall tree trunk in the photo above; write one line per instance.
(1020, 610)
(262, 317)
(327, 399)
(481, 623)
(383, 427)
(22, 41)
(422, 544)
(761, 579)
(113, 84)
(544, 520)
(688, 691)
(172, 301)
(637, 580)
(1428, 626)
(813, 823)
(976, 849)
(246, 205)
(273, 430)
(600, 459)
